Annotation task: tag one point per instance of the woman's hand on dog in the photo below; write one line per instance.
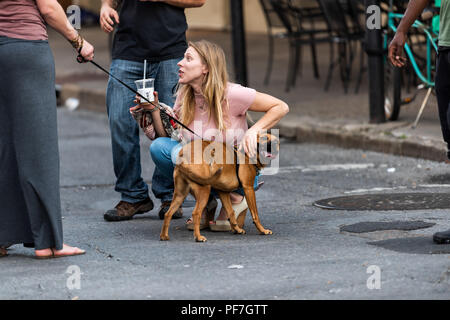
(249, 142)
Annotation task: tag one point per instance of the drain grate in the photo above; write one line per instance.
(362, 227)
(393, 201)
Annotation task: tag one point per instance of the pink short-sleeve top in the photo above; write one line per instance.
(21, 19)
(239, 100)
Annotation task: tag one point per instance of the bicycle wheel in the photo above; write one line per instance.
(392, 91)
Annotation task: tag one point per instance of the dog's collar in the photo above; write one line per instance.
(258, 165)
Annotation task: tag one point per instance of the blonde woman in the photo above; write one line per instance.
(214, 109)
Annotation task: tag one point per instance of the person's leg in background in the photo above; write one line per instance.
(443, 93)
(125, 143)
(166, 78)
(443, 99)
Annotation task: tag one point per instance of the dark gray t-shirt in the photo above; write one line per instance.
(150, 30)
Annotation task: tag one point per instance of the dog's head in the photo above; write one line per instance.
(268, 147)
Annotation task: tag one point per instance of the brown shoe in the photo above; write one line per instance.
(165, 207)
(126, 210)
(3, 252)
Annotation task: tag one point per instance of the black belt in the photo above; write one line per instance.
(443, 48)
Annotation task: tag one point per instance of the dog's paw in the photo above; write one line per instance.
(266, 232)
(201, 239)
(239, 231)
(164, 237)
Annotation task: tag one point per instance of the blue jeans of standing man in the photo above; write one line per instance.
(125, 131)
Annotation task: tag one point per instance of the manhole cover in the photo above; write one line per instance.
(362, 227)
(420, 245)
(393, 201)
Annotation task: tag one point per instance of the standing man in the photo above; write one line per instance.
(415, 7)
(152, 30)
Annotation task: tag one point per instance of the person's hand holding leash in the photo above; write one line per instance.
(87, 51)
(395, 53)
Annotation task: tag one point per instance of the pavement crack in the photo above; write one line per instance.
(101, 251)
(110, 256)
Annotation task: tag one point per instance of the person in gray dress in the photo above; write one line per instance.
(30, 212)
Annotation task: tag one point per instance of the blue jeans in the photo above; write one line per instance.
(164, 152)
(125, 131)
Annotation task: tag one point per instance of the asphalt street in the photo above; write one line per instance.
(307, 257)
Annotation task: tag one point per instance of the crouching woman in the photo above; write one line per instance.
(215, 109)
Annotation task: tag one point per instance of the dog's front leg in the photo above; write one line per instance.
(181, 190)
(251, 201)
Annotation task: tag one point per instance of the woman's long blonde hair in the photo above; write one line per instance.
(213, 88)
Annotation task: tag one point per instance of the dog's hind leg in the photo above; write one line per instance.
(201, 195)
(226, 203)
(251, 201)
(180, 193)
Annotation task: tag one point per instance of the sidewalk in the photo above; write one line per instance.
(316, 116)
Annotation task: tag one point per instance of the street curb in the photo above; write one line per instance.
(353, 135)
(378, 138)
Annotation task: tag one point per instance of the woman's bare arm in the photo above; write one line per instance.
(54, 15)
(274, 109)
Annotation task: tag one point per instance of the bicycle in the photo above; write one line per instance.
(423, 67)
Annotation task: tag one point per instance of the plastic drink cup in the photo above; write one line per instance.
(145, 87)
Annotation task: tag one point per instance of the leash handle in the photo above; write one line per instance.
(80, 58)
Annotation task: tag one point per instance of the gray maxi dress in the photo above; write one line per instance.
(30, 209)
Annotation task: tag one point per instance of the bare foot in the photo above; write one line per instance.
(43, 253)
(68, 251)
(64, 252)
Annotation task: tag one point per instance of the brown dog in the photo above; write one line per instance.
(203, 165)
